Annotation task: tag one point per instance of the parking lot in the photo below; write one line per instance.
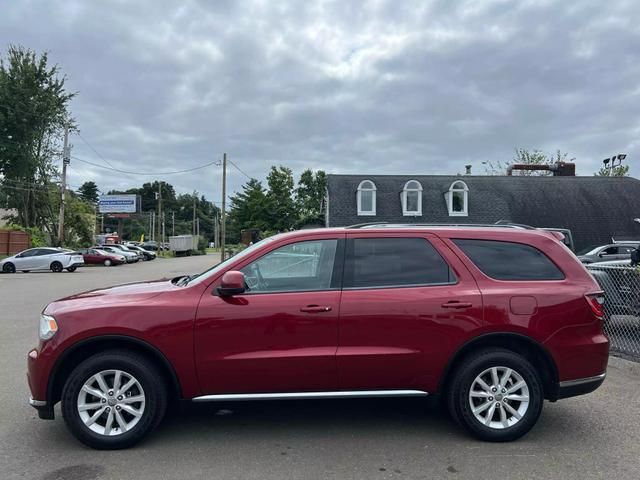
(595, 436)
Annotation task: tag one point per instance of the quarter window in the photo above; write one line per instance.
(394, 262)
(509, 261)
(366, 198)
(411, 198)
(296, 267)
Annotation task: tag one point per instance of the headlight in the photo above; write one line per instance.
(48, 327)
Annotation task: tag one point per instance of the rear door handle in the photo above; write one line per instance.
(457, 304)
(315, 309)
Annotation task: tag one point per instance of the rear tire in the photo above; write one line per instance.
(97, 420)
(56, 267)
(496, 411)
(26, 271)
(71, 269)
(9, 268)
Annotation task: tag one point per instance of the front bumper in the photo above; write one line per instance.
(44, 411)
(580, 386)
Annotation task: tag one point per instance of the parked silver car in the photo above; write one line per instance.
(605, 253)
(42, 258)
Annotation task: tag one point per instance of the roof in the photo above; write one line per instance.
(593, 208)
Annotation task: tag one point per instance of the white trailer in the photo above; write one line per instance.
(183, 244)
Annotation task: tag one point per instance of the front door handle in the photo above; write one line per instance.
(315, 309)
(457, 304)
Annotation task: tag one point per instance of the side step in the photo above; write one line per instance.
(310, 395)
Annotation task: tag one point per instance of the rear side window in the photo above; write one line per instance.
(509, 261)
(393, 262)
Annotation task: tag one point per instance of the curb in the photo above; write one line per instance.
(627, 366)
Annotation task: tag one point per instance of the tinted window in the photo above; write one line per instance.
(296, 267)
(610, 251)
(393, 262)
(509, 261)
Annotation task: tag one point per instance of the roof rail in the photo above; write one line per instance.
(410, 225)
(370, 224)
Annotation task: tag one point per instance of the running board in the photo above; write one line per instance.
(310, 395)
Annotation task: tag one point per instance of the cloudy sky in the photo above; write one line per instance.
(377, 86)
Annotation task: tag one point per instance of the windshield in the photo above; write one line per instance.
(221, 266)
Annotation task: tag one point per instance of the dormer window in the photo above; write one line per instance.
(366, 198)
(457, 199)
(411, 199)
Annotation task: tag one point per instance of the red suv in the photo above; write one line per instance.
(495, 320)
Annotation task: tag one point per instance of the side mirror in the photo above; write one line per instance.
(232, 284)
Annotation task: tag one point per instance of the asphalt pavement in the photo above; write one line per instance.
(595, 436)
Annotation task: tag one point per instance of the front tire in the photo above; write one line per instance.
(107, 263)
(9, 268)
(496, 395)
(113, 400)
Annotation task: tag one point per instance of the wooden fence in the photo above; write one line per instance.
(12, 242)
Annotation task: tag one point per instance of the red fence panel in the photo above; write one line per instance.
(12, 242)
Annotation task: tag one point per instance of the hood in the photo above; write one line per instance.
(117, 295)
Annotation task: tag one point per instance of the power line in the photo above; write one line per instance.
(94, 150)
(145, 173)
(239, 169)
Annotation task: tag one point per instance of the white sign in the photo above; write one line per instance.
(117, 204)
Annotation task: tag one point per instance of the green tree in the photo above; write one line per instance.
(249, 208)
(89, 192)
(34, 107)
(617, 171)
(527, 157)
(282, 213)
(310, 197)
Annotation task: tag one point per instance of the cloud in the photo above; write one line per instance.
(345, 86)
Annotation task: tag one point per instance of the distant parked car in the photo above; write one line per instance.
(605, 253)
(147, 254)
(93, 256)
(129, 256)
(124, 248)
(42, 258)
(150, 245)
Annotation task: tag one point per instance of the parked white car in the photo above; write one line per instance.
(42, 258)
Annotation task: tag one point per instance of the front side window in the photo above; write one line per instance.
(412, 198)
(458, 199)
(296, 267)
(509, 261)
(394, 262)
(366, 198)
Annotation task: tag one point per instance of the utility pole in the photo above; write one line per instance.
(198, 226)
(224, 195)
(193, 223)
(216, 239)
(173, 223)
(66, 158)
(159, 197)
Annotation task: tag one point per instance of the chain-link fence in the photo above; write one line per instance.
(621, 285)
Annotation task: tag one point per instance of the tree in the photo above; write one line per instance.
(89, 192)
(249, 208)
(310, 197)
(283, 213)
(617, 171)
(33, 112)
(527, 157)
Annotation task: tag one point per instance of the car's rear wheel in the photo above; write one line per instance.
(107, 263)
(71, 269)
(26, 271)
(113, 400)
(9, 268)
(496, 395)
(56, 267)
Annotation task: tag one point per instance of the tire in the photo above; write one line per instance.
(9, 268)
(149, 386)
(56, 267)
(502, 425)
(107, 263)
(26, 271)
(71, 269)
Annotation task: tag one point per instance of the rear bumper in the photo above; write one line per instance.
(579, 386)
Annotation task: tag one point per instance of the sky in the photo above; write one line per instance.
(367, 87)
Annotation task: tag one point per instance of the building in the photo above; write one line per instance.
(594, 208)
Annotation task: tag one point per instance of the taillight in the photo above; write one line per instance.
(596, 302)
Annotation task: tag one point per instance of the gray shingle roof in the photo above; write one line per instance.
(594, 208)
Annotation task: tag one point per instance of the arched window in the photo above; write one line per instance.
(366, 198)
(412, 199)
(458, 199)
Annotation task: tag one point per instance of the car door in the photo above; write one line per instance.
(45, 257)
(281, 334)
(406, 301)
(609, 253)
(26, 260)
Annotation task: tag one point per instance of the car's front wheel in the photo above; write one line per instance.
(107, 263)
(496, 395)
(9, 268)
(114, 399)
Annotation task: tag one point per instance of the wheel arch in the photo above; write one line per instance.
(82, 350)
(532, 350)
